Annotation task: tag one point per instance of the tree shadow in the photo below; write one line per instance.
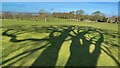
(13, 38)
(80, 55)
(29, 52)
(50, 54)
(79, 48)
(56, 38)
(109, 53)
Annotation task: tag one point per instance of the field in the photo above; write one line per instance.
(59, 42)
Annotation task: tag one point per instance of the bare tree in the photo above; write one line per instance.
(7, 15)
(44, 14)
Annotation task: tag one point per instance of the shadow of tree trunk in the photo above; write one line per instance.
(80, 55)
(50, 54)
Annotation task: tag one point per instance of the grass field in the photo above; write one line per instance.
(59, 42)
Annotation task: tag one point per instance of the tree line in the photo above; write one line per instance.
(78, 15)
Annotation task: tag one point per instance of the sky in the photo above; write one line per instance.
(60, 0)
(108, 8)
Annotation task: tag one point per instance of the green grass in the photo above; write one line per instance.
(108, 26)
(27, 43)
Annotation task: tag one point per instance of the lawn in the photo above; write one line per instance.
(59, 42)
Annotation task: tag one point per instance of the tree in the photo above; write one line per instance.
(28, 15)
(72, 12)
(19, 16)
(97, 15)
(81, 12)
(7, 15)
(79, 15)
(114, 19)
(44, 14)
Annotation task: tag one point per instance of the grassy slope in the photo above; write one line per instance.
(30, 50)
(107, 26)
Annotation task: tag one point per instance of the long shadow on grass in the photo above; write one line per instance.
(29, 52)
(14, 37)
(80, 55)
(109, 53)
(50, 54)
